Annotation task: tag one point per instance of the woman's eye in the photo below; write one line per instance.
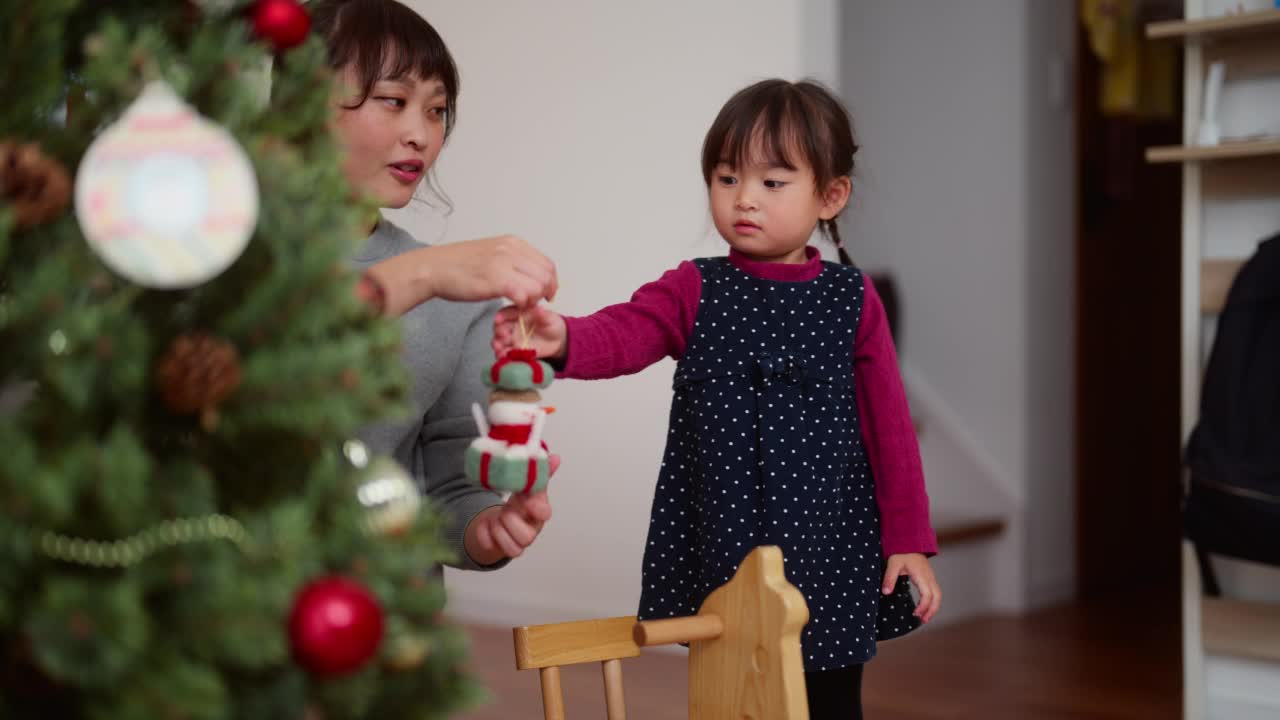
(392, 101)
(727, 180)
(438, 113)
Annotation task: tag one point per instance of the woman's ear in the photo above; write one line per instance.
(835, 197)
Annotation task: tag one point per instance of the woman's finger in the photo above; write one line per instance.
(483, 537)
(509, 546)
(506, 316)
(535, 268)
(518, 528)
(539, 281)
(537, 507)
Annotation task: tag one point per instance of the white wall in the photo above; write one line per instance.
(579, 127)
(965, 193)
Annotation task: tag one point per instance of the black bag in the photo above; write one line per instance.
(1233, 504)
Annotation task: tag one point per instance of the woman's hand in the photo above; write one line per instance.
(498, 267)
(546, 331)
(916, 566)
(505, 530)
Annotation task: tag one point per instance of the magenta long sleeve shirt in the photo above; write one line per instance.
(658, 321)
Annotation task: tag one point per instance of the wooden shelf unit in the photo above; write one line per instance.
(1236, 628)
(1227, 25)
(1228, 150)
(1249, 45)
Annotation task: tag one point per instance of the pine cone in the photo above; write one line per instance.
(36, 185)
(197, 373)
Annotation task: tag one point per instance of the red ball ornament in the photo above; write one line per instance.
(335, 626)
(284, 22)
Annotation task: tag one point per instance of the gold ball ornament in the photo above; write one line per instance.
(407, 652)
(390, 498)
(166, 198)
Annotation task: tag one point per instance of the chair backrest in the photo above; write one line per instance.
(744, 648)
(548, 647)
(755, 670)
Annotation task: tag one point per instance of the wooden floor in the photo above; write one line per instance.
(1116, 659)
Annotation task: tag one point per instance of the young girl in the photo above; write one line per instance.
(789, 424)
(393, 111)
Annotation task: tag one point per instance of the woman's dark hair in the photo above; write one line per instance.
(779, 118)
(383, 39)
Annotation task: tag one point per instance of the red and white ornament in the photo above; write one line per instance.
(165, 197)
(335, 626)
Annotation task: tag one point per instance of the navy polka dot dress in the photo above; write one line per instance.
(765, 449)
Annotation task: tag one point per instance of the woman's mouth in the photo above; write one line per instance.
(408, 171)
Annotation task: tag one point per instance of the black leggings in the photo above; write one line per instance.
(835, 694)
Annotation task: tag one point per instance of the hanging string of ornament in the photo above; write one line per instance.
(132, 550)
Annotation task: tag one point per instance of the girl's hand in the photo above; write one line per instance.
(915, 566)
(497, 267)
(547, 333)
(506, 530)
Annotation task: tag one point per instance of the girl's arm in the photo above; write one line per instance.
(618, 340)
(629, 337)
(889, 435)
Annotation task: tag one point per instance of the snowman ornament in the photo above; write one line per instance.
(509, 455)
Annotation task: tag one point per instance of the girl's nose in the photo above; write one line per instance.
(745, 201)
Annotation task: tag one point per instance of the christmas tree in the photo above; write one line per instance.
(187, 527)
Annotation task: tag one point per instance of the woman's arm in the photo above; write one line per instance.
(498, 267)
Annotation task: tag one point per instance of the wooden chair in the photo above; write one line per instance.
(744, 649)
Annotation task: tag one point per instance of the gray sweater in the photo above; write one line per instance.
(446, 346)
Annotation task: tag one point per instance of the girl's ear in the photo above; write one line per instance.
(835, 197)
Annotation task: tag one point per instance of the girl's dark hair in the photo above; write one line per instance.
(383, 39)
(779, 118)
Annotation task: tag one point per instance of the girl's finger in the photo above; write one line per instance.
(929, 598)
(926, 601)
(937, 603)
(891, 575)
(543, 316)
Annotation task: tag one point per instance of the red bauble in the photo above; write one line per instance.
(335, 626)
(284, 22)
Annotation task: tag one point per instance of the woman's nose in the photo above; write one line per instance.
(415, 140)
(415, 135)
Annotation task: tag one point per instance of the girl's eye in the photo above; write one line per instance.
(394, 102)
(439, 113)
(774, 184)
(727, 180)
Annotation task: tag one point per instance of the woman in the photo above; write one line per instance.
(394, 110)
